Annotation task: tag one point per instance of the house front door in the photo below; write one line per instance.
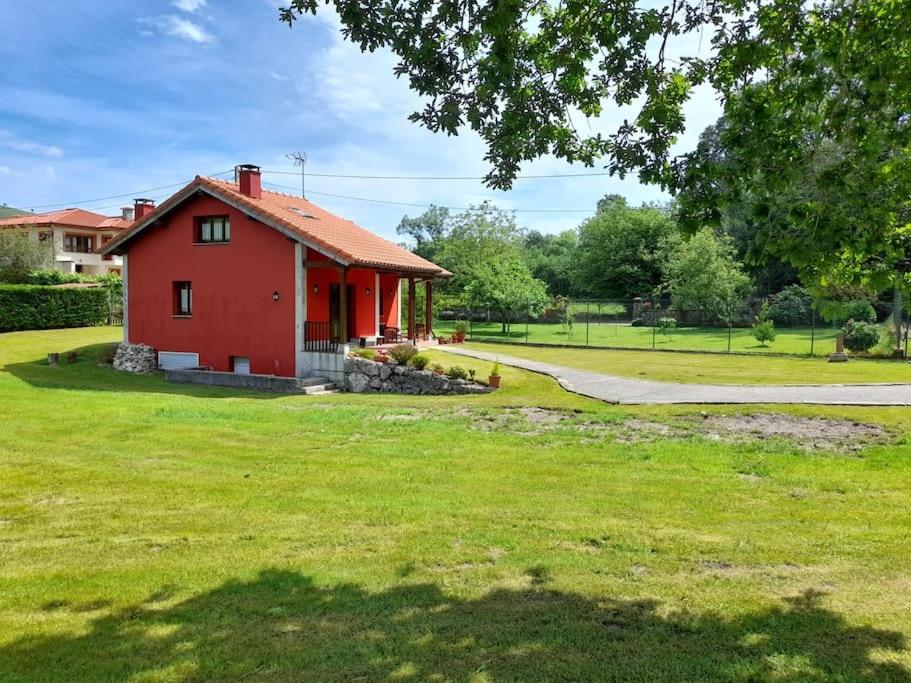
(335, 304)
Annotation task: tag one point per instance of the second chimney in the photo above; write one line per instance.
(142, 208)
(126, 213)
(249, 180)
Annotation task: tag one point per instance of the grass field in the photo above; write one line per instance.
(795, 341)
(710, 368)
(153, 532)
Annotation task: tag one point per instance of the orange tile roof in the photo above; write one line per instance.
(73, 218)
(328, 233)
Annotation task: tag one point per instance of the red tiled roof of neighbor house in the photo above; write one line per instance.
(336, 237)
(73, 218)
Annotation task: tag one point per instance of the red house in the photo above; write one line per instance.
(231, 276)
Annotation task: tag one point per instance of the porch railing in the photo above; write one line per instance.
(318, 336)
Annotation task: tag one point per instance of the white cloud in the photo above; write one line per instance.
(189, 5)
(5, 170)
(9, 141)
(186, 29)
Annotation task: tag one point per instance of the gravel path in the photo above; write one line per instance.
(638, 391)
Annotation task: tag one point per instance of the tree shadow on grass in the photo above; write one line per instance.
(281, 626)
(88, 374)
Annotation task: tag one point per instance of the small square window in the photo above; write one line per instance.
(183, 298)
(213, 229)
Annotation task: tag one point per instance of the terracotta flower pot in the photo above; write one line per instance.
(494, 381)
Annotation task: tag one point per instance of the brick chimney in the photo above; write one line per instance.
(126, 213)
(142, 208)
(249, 180)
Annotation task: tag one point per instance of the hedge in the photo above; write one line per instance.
(36, 307)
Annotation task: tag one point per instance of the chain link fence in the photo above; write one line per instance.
(656, 324)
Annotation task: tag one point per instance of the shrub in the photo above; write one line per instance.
(420, 361)
(667, 325)
(471, 374)
(457, 372)
(53, 277)
(461, 327)
(437, 368)
(402, 353)
(764, 326)
(495, 370)
(858, 310)
(369, 354)
(860, 336)
(792, 306)
(35, 307)
(637, 322)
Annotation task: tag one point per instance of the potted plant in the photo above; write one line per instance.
(494, 378)
(439, 369)
(460, 329)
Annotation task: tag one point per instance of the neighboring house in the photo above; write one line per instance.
(76, 236)
(233, 277)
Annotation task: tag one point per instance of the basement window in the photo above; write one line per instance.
(213, 230)
(183, 298)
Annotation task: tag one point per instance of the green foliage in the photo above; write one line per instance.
(461, 326)
(860, 336)
(419, 361)
(839, 312)
(667, 325)
(457, 372)
(495, 370)
(20, 255)
(437, 368)
(506, 286)
(552, 258)
(791, 307)
(703, 275)
(427, 230)
(622, 250)
(764, 326)
(402, 353)
(52, 276)
(35, 307)
(369, 354)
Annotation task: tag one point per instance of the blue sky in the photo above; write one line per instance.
(100, 98)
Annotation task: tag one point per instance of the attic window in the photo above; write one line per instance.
(301, 212)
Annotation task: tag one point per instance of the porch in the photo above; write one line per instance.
(340, 307)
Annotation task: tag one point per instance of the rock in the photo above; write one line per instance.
(138, 358)
(356, 382)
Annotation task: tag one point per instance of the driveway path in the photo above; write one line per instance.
(627, 390)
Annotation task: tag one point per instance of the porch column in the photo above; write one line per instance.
(411, 321)
(343, 305)
(428, 307)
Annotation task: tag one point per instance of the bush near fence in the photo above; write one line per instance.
(39, 307)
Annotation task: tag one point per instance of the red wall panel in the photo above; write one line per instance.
(233, 310)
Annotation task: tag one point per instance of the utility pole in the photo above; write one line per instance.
(300, 159)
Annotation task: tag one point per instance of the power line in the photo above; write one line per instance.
(427, 206)
(454, 177)
(120, 196)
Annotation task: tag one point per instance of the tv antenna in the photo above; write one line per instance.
(300, 159)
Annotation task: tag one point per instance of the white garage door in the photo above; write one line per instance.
(175, 360)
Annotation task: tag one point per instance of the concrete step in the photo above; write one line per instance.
(326, 392)
(324, 387)
(311, 381)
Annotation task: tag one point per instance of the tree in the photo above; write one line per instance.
(481, 234)
(19, 255)
(703, 275)
(551, 258)
(621, 250)
(506, 286)
(427, 230)
(518, 72)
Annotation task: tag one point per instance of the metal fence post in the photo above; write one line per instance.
(812, 329)
(730, 328)
(654, 331)
(588, 317)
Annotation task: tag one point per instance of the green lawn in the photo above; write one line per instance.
(153, 532)
(710, 368)
(795, 341)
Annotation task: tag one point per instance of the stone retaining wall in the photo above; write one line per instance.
(367, 376)
(135, 358)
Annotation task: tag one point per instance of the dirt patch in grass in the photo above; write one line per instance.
(822, 433)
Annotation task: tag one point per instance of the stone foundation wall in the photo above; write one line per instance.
(367, 376)
(135, 358)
